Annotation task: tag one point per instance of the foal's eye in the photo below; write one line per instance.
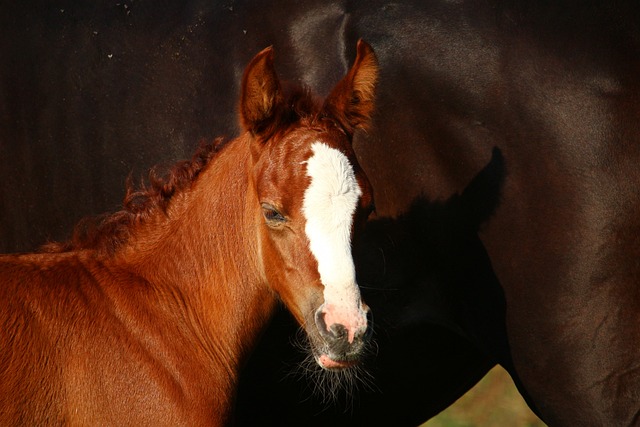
(272, 215)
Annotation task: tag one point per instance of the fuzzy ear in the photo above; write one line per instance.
(261, 93)
(352, 100)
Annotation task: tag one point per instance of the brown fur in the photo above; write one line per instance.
(145, 317)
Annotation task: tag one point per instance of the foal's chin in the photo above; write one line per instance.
(336, 357)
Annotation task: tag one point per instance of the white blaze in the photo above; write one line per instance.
(329, 204)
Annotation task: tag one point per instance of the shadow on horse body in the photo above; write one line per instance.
(553, 86)
(147, 317)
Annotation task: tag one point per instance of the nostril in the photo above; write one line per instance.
(338, 331)
(334, 332)
(320, 323)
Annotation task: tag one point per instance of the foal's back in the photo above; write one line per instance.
(76, 339)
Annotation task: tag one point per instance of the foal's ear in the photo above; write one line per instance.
(261, 93)
(352, 100)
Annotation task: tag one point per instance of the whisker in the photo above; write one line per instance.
(371, 288)
(332, 387)
(384, 262)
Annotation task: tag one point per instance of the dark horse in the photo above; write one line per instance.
(147, 317)
(550, 88)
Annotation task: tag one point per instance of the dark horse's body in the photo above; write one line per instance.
(89, 89)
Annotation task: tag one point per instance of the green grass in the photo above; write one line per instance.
(493, 402)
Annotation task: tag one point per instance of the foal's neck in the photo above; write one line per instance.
(204, 250)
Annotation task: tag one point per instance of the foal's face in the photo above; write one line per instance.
(312, 195)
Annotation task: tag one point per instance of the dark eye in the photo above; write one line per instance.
(368, 211)
(371, 209)
(272, 215)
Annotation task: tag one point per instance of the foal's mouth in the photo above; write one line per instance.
(337, 355)
(336, 373)
(327, 362)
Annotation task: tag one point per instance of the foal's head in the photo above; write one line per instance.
(312, 195)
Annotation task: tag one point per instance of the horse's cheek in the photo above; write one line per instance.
(291, 271)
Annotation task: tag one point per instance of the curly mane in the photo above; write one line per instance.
(106, 233)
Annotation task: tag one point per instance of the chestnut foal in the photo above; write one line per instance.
(146, 318)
